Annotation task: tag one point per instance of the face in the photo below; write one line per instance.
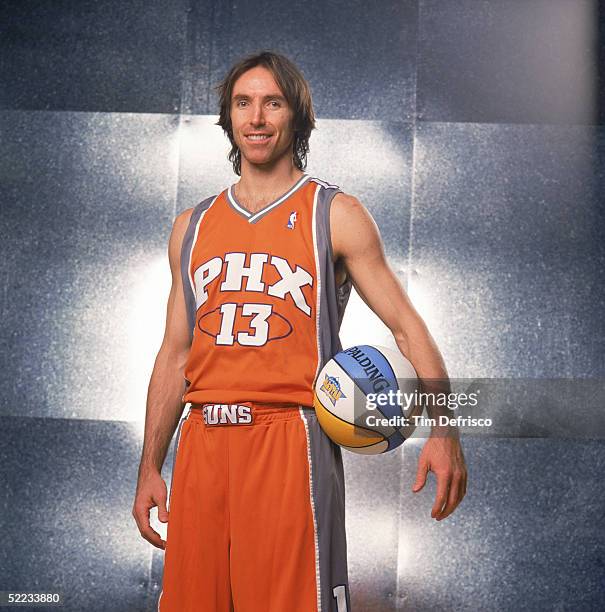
(261, 118)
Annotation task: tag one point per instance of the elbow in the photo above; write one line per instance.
(411, 332)
(173, 359)
(402, 340)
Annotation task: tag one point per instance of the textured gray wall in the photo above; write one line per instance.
(472, 130)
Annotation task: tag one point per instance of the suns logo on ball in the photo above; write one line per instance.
(331, 387)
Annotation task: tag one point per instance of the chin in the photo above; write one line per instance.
(259, 160)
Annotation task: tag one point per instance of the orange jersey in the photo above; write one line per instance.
(261, 296)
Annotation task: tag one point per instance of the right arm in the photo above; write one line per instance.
(164, 395)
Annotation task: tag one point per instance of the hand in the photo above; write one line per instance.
(442, 454)
(151, 492)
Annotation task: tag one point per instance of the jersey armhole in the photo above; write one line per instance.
(335, 191)
(186, 247)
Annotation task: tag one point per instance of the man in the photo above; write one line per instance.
(261, 274)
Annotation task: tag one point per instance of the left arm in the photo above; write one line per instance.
(357, 244)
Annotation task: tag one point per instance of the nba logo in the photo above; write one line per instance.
(292, 220)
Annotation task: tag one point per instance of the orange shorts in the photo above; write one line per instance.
(256, 513)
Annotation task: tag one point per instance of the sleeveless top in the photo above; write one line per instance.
(262, 303)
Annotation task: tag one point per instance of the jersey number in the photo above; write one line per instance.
(340, 595)
(259, 313)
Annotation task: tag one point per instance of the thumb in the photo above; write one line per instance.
(162, 511)
(420, 477)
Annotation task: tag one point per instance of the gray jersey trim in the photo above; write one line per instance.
(259, 214)
(327, 486)
(333, 300)
(186, 249)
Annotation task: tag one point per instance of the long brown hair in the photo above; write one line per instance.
(296, 90)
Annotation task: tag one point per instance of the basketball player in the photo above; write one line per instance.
(261, 273)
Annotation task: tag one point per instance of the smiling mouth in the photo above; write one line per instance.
(258, 137)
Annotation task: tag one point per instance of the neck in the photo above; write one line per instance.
(263, 179)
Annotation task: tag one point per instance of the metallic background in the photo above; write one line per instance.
(473, 132)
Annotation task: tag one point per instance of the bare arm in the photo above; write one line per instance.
(356, 240)
(164, 396)
(357, 244)
(167, 383)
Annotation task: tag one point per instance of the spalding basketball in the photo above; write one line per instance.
(366, 398)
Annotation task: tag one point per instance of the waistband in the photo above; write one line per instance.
(261, 412)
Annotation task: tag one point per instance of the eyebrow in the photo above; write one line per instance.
(269, 97)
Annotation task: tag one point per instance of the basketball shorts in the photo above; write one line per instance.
(256, 513)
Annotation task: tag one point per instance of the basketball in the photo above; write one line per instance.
(365, 399)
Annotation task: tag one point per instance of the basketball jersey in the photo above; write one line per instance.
(262, 303)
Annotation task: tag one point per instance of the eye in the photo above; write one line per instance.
(274, 103)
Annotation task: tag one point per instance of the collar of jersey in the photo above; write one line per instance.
(254, 217)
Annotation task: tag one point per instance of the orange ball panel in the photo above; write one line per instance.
(341, 432)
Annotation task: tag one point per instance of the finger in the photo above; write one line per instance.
(141, 515)
(443, 485)
(162, 510)
(153, 537)
(453, 499)
(421, 473)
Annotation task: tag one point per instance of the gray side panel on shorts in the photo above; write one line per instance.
(333, 300)
(185, 252)
(174, 453)
(329, 502)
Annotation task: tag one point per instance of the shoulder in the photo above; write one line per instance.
(351, 224)
(183, 219)
(180, 225)
(344, 203)
(179, 228)
(347, 210)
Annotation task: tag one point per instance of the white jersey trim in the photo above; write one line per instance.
(315, 535)
(323, 183)
(176, 447)
(318, 277)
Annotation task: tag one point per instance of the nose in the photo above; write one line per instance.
(258, 116)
